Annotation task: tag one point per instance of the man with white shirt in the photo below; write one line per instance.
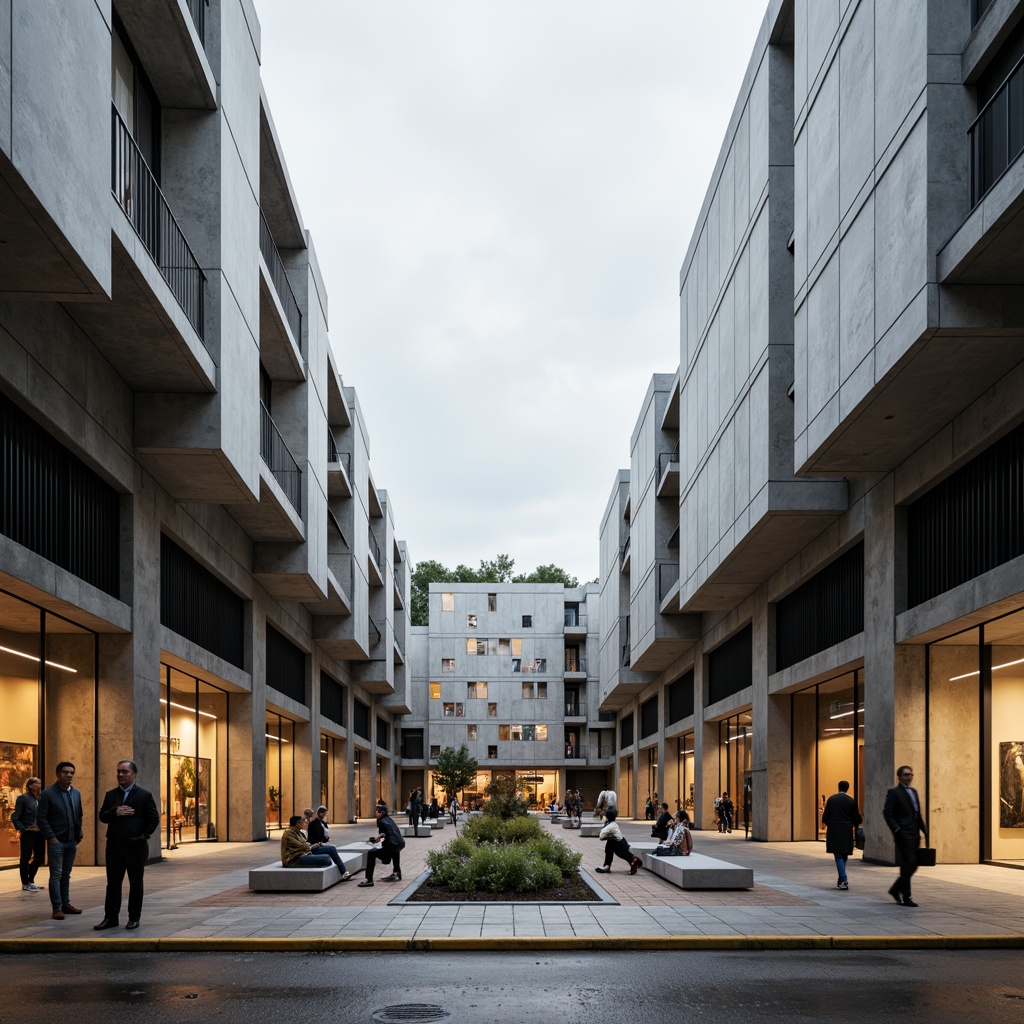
(902, 813)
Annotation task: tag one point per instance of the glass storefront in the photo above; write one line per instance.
(684, 795)
(193, 759)
(735, 742)
(975, 701)
(653, 789)
(47, 701)
(828, 746)
(280, 771)
(330, 759)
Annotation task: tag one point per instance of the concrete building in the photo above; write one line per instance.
(509, 669)
(197, 569)
(849, 413)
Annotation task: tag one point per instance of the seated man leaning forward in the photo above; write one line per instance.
(679, 842)
(297, 853)
(390, 852)
(615, 845)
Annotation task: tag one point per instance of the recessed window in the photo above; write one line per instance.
(435, 691)
(492, 752)
(527, 621)
(542, 732)
(503, 732)
(447, 664)
(504, 647)
(492, 710)
(435, 749)
(470, 732)
(447, 602)
(535, 691)
(517, 648)
(453, 710)
(476, 690)
(492, 602)
(517, 664)
(492, 646)
(471, 622)
(536, 665)
(476, 646)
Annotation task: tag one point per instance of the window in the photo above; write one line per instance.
(542, 732)
(536, 665)
(503, 732)
(542, 691)
(535, 691)
(435, 691)
(517, 664)
(476, 647)
(517, 648)
(492, 646)
(505, 647)
(572, 615)
(470, 732)
(435, 749)
(412, 744)
(447, 664)
(492, 602)
(447, 602)
(527, 621)
(492, 710)
(453, 710)
(492, 752)
(476, 690)
(471, 622)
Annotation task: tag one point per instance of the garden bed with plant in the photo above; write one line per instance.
(504, 855)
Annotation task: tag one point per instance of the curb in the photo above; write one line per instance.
(515, 944)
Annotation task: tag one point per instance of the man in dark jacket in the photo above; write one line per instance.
(59, 816)
(392, 840)
(902, 813)
(33, 846)
(661, 826)
(131, 817)
(840, 817)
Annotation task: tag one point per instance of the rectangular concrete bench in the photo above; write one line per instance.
(434, 823)
(593, 831)
(698, 871)
(566, 822)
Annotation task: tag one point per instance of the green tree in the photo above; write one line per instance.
(454, 770)
(548, 574)
(422, 576)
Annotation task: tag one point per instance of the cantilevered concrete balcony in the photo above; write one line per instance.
(342, 637)
(374, 565)
(339, 470)
(668, 474)
(281, 349)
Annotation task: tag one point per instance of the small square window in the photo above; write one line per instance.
(435, 691)
(527, 621)
(527, 691)
(476, 690)
(447, 602)
(449, 709)
(492, 710)
(471, 622)
(542, 732)
(503, 732)
(492, 752)
(542, 691)
(447, 664)
(517, 664)
(492, 602)
(517, 648)
(470, 732)
(435, 749)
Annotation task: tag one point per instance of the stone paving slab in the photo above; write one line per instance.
(200, 891)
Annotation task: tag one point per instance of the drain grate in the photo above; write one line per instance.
(410, 1013)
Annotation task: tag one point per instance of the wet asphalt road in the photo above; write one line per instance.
(974, 987)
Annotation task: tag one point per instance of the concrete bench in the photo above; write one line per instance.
(277, 878)
(698, 871)
(567, 823)
(593, 831)
(434, 823)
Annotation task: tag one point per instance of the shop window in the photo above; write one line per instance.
(280, 777)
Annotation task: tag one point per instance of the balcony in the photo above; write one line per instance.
(576, 709)
(668, 474)
(575, 667)
(339, 470)
(275, 268)
(197, 9)
(373, 562)
(668, 581)
(139, 196)
(997, 134)
(624, 560)
(279, 459)
(399, 589)
(575, 623)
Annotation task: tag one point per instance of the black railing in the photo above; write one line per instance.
(335, 455)
(576, 709)
(576, 664)
(605, 750)
(997, 133)
(279, 459)
(668, 577)
(666, 461)
(375, 634)
(375, 550)
(138, 194)
(271, 256)
(197, 8)
(399, 584)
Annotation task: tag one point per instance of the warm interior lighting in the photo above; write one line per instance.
(967, 675)
(276, 738)
(182, 707)
(836, 709)
(32, 657)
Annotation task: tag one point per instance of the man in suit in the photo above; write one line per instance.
(840, 818)
(59, 817)
(902, 813)
(131, 817)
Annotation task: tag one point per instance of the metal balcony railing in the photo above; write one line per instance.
(668, 577)
(997, 134)
(375, 634)
(197, 8)
(666, 461)
(574, 618)
(605, 751)
(576, 708)
(279, 459)
(399, 583)
(271, 256)
(138, 194)
(375, 549)
(334, 455)
(576, 664)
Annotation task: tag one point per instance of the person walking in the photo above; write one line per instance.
(615, 845)
(33, 846)
(726, 809)
(453, 810)
(840, 818)
(59, 816)
(393, 842)
(902, 813)
(131, 817)
(414, 808)
(607, 803)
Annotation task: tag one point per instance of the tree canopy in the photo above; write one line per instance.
(454, 770)
(496, 570)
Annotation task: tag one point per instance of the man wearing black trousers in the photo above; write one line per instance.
(902, 813)
(131, 817)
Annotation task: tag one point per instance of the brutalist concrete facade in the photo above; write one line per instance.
(164, 330)
(849, 409)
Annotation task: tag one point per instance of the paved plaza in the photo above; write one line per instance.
(200, 893)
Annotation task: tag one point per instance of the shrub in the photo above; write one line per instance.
(504, 799)
(492, 829)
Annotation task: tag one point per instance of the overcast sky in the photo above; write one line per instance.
(501, 194)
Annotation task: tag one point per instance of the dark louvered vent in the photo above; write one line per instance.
(286, 666)
(332, 699)
(730, 667)
(680, 698)
(649, 717)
